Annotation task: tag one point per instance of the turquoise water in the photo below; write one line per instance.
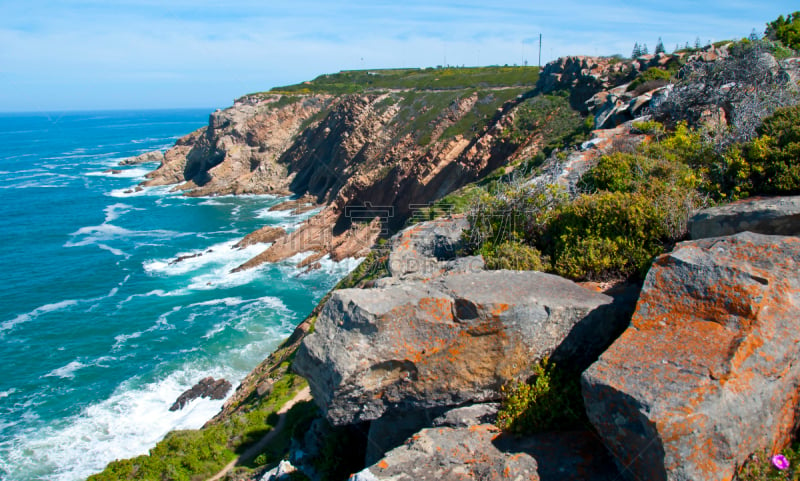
(100, 330)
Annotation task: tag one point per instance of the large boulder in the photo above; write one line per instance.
(773, 216)
(422, 250)
(449, 341)
(707, 372)
(483, 452)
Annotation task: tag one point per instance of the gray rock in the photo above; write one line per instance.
(706, 374)
(393, 429)
(483, 452)
(771, 216)
(155, 156)
(467, 416)
(451, 341)
(418, 252)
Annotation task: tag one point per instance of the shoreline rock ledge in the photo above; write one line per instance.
(707, 372)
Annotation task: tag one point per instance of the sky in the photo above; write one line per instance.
(60, 55)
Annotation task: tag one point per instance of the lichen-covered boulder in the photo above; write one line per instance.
(483, 452)
(447, 342)
(772, 216)
(420, 251)
(707, 372)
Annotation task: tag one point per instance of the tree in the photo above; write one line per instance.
(697, 44)
(753, 36)
(787, 30)
(637, 52)
(659, 46)
(644, 49)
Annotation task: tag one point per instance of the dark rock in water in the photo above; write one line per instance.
(208, 387)
(188, 256)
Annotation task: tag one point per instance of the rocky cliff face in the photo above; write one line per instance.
(362, 156)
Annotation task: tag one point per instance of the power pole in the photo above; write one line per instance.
(540, 51)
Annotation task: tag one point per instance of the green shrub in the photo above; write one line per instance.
(774, 156)
(650, 127)
(608, 234)
(550, 401)
(513, 256)
(759, 467)
(787, 30)
(653, 77)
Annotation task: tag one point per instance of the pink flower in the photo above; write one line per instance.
(780, 461)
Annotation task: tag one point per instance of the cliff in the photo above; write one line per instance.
(662, 370)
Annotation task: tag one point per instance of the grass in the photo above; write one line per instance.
(759, 467)
(192, 455)
(353, 81)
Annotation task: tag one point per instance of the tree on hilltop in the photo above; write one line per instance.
(659, 47)
(787, 30)
(637, 51)
(644, 49)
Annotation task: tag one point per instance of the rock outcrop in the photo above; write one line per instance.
(448, 341)
(772, 216)
(707, 373)
(264, 235)
(482, 452)
(207, 387)
(147, 157)
(422, 250)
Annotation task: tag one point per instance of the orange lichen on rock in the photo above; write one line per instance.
(707, 363)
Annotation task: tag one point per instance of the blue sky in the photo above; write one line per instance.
(95, 54)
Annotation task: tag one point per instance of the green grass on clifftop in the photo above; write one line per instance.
(353, 81)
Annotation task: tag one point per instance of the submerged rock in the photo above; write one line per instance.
(446, 342)
(207, 387)
(706, 374)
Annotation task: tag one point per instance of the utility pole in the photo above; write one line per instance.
(540, 50)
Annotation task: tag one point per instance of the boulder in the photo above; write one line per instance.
(155, 156)
(449, 341)
(483, 452)
(420, 251)
(208, 388)
(771, 216)
(706, 374)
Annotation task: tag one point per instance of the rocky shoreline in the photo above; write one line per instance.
(681, 377)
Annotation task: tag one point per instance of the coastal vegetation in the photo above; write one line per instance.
(356, 81)
(704, 146)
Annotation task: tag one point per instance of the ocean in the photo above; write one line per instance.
(101, 327)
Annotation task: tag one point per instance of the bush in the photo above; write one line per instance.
(654, 77)
(759, 467)
(774, 156)
(550, 401)
(787, 30)
(513, 256)
(608, 234)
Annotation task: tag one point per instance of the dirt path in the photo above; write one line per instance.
(255, 450)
